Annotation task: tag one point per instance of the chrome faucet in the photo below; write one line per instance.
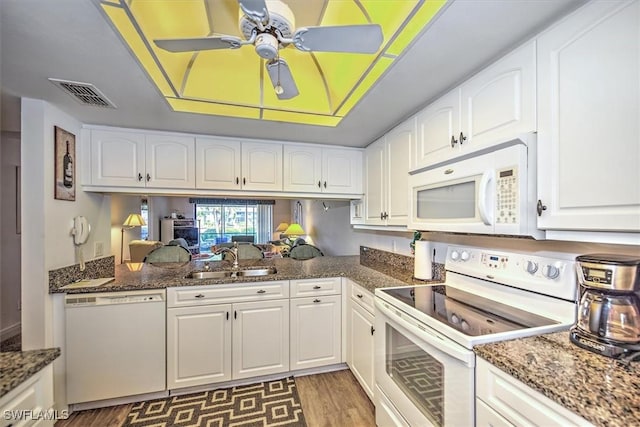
(233, 251)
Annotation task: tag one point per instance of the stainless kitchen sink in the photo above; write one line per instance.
(221, 274)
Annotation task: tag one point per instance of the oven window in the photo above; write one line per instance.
(453, 201)
(418, 375)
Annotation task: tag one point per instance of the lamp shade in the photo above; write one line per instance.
(134, 220)
(294, 230)
(281, 227)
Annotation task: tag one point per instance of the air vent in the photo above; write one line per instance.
(85, 93)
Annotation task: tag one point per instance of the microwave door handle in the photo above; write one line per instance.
(483, 207)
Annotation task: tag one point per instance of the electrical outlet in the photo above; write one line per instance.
(98, 249)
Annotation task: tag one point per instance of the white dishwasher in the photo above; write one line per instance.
(115, 344)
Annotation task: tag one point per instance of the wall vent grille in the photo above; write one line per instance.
(85, 93)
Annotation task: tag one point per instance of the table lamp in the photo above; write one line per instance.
(133, 220)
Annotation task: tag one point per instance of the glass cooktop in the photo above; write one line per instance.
(470, 314)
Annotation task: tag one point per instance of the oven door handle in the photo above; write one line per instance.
(428, 335)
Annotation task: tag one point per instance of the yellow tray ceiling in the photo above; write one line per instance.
(234, 82)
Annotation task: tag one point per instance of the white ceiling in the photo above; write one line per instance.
(71, 40)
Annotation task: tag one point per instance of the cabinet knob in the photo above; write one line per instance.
(319, 184)
(227, 315)
(316, 300)
(372, 330)
(462, 138)
(540, 207)
(139, 176)
(325, 184)
(453, 141)
(317, 287)
(199, 296)
(359, 295)
(148, 177)
(237, 180)
(381, 215)
(262, 291)
(244, 181)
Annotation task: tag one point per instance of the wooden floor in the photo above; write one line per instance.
(330, 399)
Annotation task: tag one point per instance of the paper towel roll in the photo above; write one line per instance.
(422, 268)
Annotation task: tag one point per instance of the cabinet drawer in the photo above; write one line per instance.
(313, 287)
(217, 294)
(518, 403)
(362, 296)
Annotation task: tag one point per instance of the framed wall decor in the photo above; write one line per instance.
(65, 177)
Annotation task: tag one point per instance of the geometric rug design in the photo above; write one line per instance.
(272, 403)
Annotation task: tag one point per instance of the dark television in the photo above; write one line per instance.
(190, 234)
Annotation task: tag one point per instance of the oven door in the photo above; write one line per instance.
(459, 196)
(427, 377)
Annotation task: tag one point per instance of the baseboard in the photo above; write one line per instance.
(10, 331)
(117, 401)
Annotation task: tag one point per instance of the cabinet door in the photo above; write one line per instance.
(117, 159)
(341, 171)
(198, 345)
(397, 161)
(170, 161)
(374, 195)
(436, 125)
(218, 164)
(302, 169)
(260, 338)
(316, 326)
(261, 166)
(588, 110)
(360, 350)
(500, 101)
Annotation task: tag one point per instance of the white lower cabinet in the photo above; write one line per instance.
(316, 322)
(211, 338)
(360, 332)
(502, 400)
(31, 398)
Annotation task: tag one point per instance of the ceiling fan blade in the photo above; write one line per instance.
(256, 10)
(288, 85)
(199, 43)
(343, 38)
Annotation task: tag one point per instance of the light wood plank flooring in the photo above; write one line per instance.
(330, 399)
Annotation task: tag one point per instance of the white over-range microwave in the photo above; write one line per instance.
(488, 191)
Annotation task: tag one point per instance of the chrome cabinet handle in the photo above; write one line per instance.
(462, 138)
(453, 141)
(381, 215)
(540, 207)
(227, 315)
(139, 176)
(244, 181)
(325, 184)
(317, 287)
(372, 330)
(319, 184)
(261, 291)
(359, 295)
(148, 177)
(316, 300)
(237, 180)
(199, 296)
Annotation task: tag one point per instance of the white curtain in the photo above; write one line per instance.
(264, 226)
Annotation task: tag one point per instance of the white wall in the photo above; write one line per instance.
(46, 241)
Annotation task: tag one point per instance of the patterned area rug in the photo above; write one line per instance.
(273, 403)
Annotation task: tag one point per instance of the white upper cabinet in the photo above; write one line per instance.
(224, 164)
(500, 102)
(261, 166)
(117, 158)
(137, 160)
(322, 170)
(494, 105)
(218, 164)
(589, 119)
(387, 163)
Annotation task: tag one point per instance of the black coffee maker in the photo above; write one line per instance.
(609, 311)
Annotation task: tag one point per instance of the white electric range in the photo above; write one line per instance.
(424, 362)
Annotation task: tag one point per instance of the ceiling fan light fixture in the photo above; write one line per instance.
(266, 46)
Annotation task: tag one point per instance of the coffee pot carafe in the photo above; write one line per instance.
(609, 308)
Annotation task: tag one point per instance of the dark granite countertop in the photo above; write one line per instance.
(18, 366)
(173, 274)
(601, 390)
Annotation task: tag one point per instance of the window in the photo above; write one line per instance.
(144, 211)
(222, 219)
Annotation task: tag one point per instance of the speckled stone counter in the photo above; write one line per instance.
(173, 274)
(18, 366)
(603, 391)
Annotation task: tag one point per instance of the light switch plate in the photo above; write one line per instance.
(98, 249)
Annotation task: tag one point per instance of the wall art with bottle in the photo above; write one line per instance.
(65, 178)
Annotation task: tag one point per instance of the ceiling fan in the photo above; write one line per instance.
(272, 29)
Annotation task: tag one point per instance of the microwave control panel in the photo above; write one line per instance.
(507, 197)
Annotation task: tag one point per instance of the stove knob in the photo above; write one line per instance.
(550, 271)
(464, 325)
(455, 255)
(455, 319)
(531, 267)
(464, 256)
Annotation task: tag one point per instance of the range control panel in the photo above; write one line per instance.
(549, 275)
